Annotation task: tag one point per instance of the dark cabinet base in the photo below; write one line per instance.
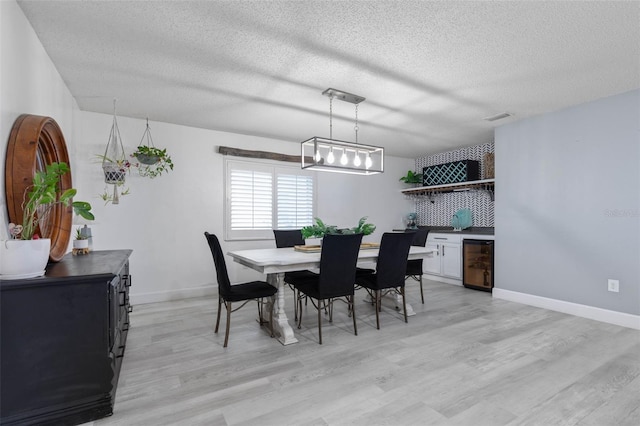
(62, 341)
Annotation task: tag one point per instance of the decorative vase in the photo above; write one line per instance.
(23, 258)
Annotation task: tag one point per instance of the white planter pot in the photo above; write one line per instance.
(23, 258)
(80, 244)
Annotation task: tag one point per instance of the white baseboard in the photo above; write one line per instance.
(166, 296)
(591, 312)
(442, 279)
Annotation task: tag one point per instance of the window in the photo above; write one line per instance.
(261, 197)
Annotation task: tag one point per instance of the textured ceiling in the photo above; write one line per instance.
(431, 71)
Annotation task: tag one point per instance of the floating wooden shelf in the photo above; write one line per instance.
(428, 191)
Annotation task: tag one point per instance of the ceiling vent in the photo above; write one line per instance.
(498, 116)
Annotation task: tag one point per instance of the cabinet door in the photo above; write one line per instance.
(431, 265)
(451, 263)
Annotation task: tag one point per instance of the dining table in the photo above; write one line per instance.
(274, 262)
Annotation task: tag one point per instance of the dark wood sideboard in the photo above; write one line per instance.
(62, 340)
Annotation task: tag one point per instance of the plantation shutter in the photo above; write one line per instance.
(261, 197)
(295, 200)
(251, 200)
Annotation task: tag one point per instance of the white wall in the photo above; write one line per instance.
(567, 209)
(29, 83)
(163, 220)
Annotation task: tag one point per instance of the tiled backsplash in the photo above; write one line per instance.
(439, 212)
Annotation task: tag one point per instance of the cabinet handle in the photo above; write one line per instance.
(440, 238)
(442, 251)
(129, 308)
(122, 351)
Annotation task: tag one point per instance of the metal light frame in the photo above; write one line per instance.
(331, 155)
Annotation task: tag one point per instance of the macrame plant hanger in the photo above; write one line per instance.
(114, 161)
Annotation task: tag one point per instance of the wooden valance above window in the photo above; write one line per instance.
(265, 155)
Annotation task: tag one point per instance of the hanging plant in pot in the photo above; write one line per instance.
(114, 162)
(152, 161)
(25, 255)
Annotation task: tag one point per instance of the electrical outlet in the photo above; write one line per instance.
(613, 285)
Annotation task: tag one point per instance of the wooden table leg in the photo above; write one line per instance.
(280, 321)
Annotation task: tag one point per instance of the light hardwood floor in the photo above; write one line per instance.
(464, 359)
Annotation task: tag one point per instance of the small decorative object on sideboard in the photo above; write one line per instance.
(25, 255)
(81, 243)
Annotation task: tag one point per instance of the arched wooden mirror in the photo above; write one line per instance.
(34, 142)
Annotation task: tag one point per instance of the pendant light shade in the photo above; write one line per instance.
(332, 155)
(348, 157)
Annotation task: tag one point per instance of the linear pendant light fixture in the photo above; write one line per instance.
(333, 155)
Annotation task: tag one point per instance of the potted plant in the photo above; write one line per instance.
(412, 178)
(25, 255)
(320, 229)
(152, 161)
(115, 171)
(81, 240)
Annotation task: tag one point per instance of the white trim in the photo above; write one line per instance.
(591, 312)
(442, 279)
(170, 295)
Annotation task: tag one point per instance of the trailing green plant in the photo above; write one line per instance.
(320, 229)
(44, 194)
(152, 161)
(412, 177)
(109, 197)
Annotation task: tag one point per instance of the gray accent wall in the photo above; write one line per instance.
(567, 208)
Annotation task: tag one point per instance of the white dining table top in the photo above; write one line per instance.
(275, 260)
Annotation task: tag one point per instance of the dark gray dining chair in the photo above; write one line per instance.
(291, 238)
(336, 279)
(414, 266)
(246, 292)
(390, 270)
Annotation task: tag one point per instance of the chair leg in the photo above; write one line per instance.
(226, 335)
(299, 301)
(319, 323)
(421, 292)
(404, 303)
(295, 304)
(219, 308)
(378, 307)
(352, 309)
